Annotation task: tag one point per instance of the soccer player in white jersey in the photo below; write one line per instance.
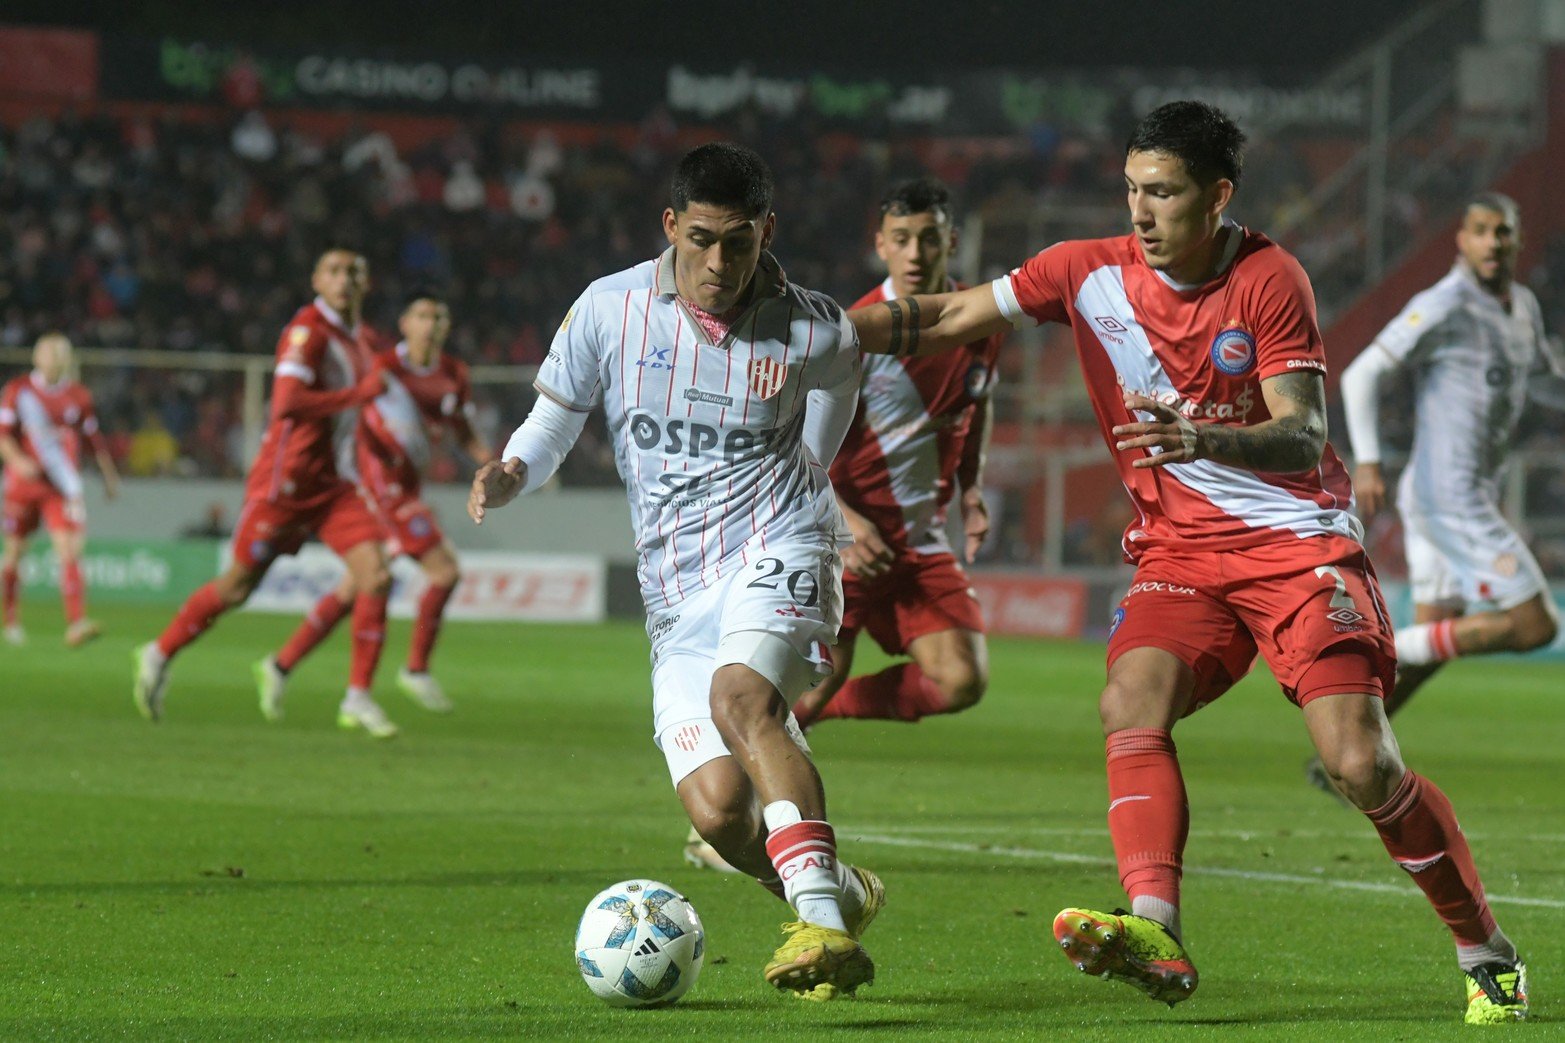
(1198, 341)
(1472, 343)
(727, 392)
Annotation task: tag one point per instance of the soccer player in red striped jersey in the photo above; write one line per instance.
(922, 428)
(44, 417)
(1200, 349)
(427, 394)
(298, 487)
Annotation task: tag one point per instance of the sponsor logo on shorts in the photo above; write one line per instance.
(420, 527)
(1114, 621)
(260, 550)
(688, 737)
(1233, 349)
(1506, 564)
(791, 611)
(1346, 620)
(1158, 587)
(662, 626)
(697, 395)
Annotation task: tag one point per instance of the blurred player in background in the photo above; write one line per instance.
(1473, 342)
(301, 484)
(922, 428)
(727, 392)
(1200, 349)
(44, 416)
(427, 394)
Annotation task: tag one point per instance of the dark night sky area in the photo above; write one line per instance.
(1298, 36)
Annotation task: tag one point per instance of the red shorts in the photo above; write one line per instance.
(268, 529)
(25, 505)
(922, 594)
(1312, 607)
(410, 524)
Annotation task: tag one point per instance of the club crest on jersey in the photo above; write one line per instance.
(1233, 349)
(767, 377)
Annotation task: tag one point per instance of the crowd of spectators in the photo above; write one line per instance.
(186, 234)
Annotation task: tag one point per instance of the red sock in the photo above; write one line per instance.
(199, 612)
(1420, 831)
(805, 857)
(897, 693)
(1149, 817)
(426, 628)
(369, 637)
(72, 590)
(316, 627)
(8, 580)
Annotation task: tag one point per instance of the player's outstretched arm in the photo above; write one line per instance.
(16, 461)
(929, 323)
(1291, 441)
(495, 485)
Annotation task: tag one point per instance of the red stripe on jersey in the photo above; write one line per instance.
(673, 366)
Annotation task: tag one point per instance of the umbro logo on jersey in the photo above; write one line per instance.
(697, 395)
(1111, 324)
(659, 359)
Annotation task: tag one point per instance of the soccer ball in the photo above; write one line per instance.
(639, 944)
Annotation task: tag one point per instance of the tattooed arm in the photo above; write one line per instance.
(1291, 441)
(928, 323)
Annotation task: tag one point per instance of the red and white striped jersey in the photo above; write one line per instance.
(48, 421)
(1204, 350)
(301, 462)
(708, 438)
(400, 428)
(898, 464)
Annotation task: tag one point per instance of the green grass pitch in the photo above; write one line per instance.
(216, 877)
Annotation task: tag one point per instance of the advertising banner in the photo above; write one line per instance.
(496, 585)
(125, 572)
(48, 64)
(1031, 605)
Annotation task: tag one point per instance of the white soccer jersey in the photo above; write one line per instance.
(1471, 360)
(708, 438)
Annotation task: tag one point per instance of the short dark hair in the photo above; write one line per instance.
(422, 293)
(919, 195)
(1202, 136)
(723, 174)
(1499, 202)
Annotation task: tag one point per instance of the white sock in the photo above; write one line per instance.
(805, 856)
(356, 697)
(153, 655)
(1498, 949)
(1164, 912)
(1426, 643)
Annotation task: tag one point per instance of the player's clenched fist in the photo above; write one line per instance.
(495, 485)
(1172, 432)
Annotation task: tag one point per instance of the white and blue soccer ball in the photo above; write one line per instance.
(639, 944)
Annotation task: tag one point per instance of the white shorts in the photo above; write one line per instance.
(777, 615)
(1474, 561)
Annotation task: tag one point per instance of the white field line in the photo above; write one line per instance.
(1220, 834)
(1074, 858)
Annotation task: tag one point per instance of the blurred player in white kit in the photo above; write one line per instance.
(1474, 343)
(727, 392)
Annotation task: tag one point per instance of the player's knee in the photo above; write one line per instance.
(963, 685)
(375, 582)
(719, 819)
(1534, 630)
(444, 572)
(1365, 771)
(1126, 704)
